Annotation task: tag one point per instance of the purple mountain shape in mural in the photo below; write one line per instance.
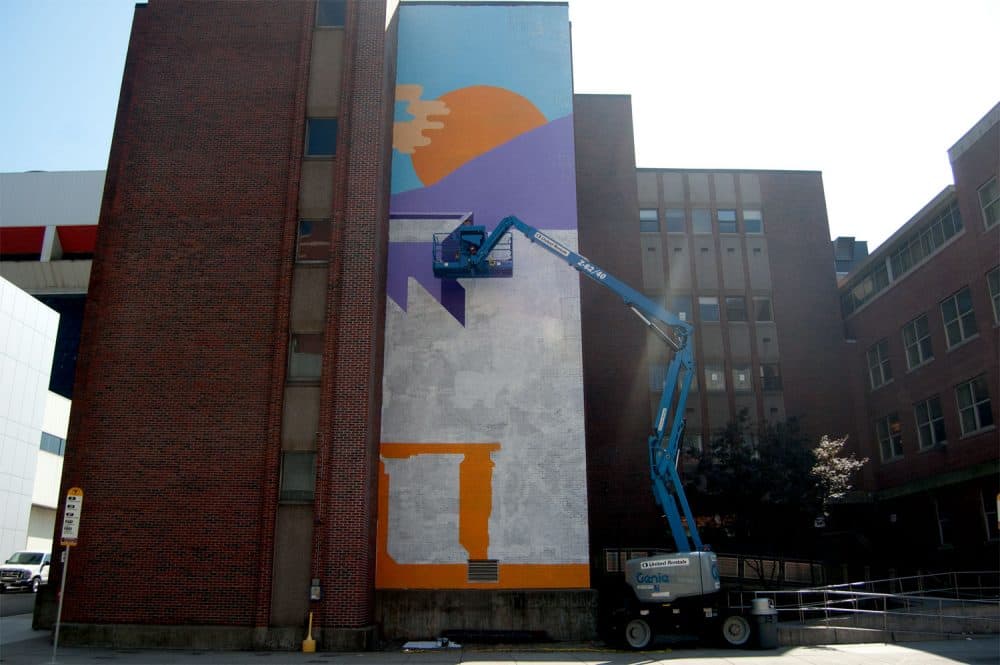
(413, 259)
(532, 176)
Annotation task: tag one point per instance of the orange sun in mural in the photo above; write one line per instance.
(478, 119)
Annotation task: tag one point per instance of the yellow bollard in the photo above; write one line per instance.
(309, 644)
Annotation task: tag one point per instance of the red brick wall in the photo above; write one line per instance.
(174, 429)
(805, 299)
(351, 406)
(616, 386)
(964, 262)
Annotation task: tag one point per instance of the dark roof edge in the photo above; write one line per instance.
(984, 125)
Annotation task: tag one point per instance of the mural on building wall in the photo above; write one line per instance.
(483, 478)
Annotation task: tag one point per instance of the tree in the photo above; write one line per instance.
(833, 470)
(756, 479)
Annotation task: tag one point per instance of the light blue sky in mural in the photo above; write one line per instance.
(444, 48)
(524, 49)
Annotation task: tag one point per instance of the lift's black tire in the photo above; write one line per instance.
(638, 634)
(735, 631)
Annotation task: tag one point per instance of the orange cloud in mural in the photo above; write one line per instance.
(468, 122)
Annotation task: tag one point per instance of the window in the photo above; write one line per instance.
(612, 561)
(312, 242)
(890, 437)
(708, 308)
(930, 423)
(770, 376)
(715, 379)
(925, 241)
(305, 356)
(742, 382)
(974, 408)
(989, 509)
(762, 309)
(649, 220)
(681, 306)
(727, 221)
(331, 13)
(959, 318)
(736, 308)
(879, 371)
(675, 220)
(917, 340)
(753, 222)
(989, 201)
(944, 524)
(298, 476)
(321, 137)
(865, 287)
(993, 288)
(53, 444)
(701, 220)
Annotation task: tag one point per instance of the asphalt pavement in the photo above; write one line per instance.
(16, 603)
(20, 645)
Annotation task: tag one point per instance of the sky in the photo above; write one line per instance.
(871, 93)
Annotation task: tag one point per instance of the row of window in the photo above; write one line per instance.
(909, 253)
(676, 220)
(710, 308)
(917, 246)
(975, 414)
(959, 319)
(713, 378)
(305, 356)
(944, 511)
(926, 241)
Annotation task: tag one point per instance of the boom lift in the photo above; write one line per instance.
(670, 593)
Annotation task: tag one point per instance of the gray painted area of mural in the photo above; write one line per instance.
(513, 376)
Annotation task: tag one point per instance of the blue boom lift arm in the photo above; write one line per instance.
(469, 252)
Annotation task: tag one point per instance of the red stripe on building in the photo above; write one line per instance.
(21, 239)
(77, 239)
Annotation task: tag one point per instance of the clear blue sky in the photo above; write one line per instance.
(870, 92)
(61, 64)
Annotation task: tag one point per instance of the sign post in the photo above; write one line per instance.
(70, 534)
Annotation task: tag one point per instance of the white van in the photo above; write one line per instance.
(25, 570)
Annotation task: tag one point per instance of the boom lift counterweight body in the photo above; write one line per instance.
(670, 592)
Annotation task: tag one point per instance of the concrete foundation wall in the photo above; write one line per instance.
(418, 614)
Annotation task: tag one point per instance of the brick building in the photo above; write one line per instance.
(744, 256)
(231, 342)
(922, 313)
(267, 419)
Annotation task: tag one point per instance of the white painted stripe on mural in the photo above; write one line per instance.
(419, 230)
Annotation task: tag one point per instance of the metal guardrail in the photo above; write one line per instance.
(957, 584)
(941, 603)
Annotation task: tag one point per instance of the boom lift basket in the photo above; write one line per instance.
(453, 253)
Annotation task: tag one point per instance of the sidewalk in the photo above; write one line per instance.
(20, 645)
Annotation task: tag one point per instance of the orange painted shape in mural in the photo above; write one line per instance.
(480, 118)
(392, 575)
(475, 505)
(475, 487)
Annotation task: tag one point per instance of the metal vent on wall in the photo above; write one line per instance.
(484, 570)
